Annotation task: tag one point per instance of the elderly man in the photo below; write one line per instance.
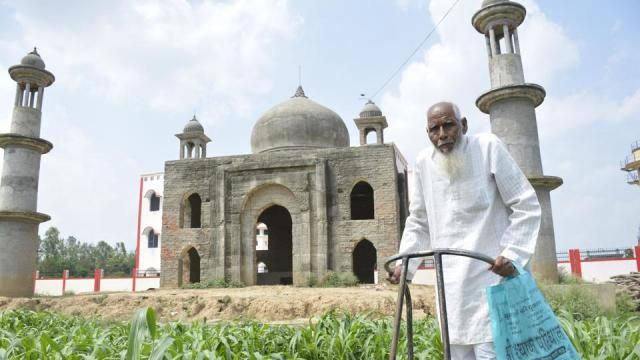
(468, 193)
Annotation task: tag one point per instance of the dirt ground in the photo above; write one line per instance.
(273, 304)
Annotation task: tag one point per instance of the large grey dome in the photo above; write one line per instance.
(298, 123)
(33, 59)
(193, 126)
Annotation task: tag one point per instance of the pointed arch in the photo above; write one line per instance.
(364, 258)
(189, 266)
(191, 214)
(255, 206)
(362, 201)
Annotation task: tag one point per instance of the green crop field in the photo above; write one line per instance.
(42, 335)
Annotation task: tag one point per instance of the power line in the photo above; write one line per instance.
(424, 40)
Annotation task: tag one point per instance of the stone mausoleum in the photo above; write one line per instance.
(327, 206)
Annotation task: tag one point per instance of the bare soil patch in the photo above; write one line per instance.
(285, 304)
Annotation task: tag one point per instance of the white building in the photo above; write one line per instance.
(149, 224)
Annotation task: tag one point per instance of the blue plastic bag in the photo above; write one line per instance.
(523, 325)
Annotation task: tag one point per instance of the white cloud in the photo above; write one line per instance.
(560, 115)
(168, 54)
(546, 48)
(118, 59)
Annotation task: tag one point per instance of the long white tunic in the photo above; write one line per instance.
(490, 208)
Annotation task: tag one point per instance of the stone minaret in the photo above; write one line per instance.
(23, 146)
(511, 104)
(371, 119)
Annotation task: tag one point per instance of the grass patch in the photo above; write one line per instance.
(214, 284)
(333, 279)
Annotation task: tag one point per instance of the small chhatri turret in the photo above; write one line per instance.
(193, 141)
(23, 147)
(371, 119)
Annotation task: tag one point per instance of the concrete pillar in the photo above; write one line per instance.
(492, 41)
(363, 137)
(40, 96)
(18, 98)
(576, 264)
(379, 136)
(32, 98)
(65, 276)
(507, 38)
(27, 91)
(488, 43)
(134, 276)
(97, 277)
(516, 42)
(182, 150)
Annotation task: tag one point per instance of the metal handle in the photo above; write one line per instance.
(403, 292)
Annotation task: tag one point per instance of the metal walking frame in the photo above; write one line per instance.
(405, 294)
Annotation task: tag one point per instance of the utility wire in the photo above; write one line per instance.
(414, 51)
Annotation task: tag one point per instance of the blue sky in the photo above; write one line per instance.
(129, 75)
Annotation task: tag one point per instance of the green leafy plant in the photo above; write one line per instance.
(339, 279)
(36, 335)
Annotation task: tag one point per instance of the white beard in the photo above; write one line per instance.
(450, 164)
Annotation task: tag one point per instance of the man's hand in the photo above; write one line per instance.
(503, 266)
(394, 276)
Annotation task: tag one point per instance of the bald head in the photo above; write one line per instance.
(444, 106)
(445, 125)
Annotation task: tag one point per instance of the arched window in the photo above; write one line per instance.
(154, 202)
(192, 212)
(364, 261)
(362, 202)
(372, 136)
(189, 267)
(152, 240)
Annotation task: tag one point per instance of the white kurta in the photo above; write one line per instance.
(490, 208)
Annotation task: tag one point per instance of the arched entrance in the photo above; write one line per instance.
(278, 257)
(189, 266)
(364, 261)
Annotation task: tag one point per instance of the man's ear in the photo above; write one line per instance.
(463, 121)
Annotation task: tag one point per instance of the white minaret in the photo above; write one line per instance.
(511, 104)
(23, 146)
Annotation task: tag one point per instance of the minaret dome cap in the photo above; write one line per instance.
(370, 109)
(33, 59)
(193, 126)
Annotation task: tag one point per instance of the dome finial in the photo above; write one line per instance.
(299, 92)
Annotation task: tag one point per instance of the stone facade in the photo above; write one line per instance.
(314, 185)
